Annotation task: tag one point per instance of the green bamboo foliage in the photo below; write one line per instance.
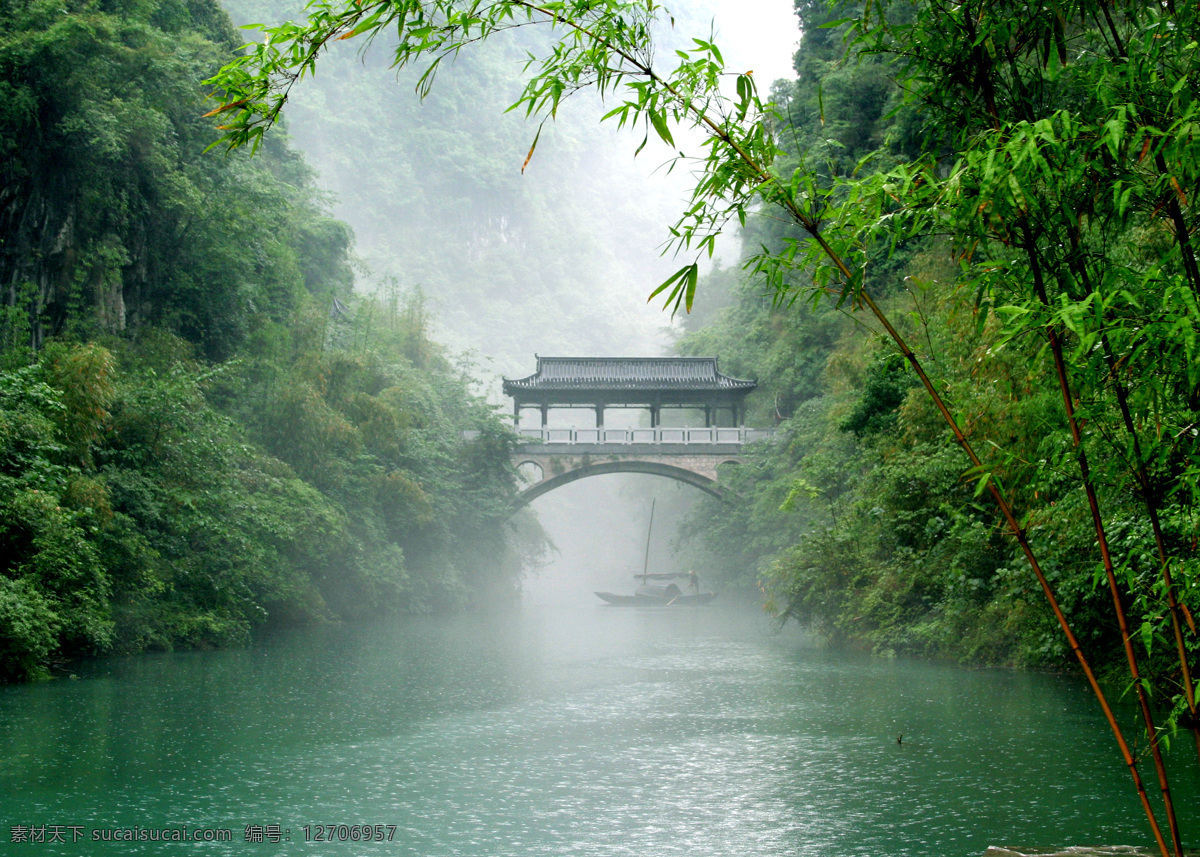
(1064, 167)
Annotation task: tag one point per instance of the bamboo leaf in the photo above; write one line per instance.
(224, 107)
(659, 121)
(536, 137)
(692, 277)
(668, 282)
(1147, 636)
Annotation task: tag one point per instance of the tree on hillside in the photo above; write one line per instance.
(112, 219)
(1059, 158)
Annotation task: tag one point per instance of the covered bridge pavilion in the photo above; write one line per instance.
(654, 383)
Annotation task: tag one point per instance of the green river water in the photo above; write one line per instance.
(570, 731)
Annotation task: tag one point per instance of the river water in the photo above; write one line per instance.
(543, 730)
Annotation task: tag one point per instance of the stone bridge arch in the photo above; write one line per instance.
(696, 469)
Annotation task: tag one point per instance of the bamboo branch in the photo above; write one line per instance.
(1143, 478)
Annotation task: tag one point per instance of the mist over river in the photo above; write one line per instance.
(557, 729)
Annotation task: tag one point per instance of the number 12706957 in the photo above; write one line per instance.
(349, 832)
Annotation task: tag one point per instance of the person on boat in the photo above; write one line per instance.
(693, 582)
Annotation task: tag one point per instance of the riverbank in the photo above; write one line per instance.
(1080, 851)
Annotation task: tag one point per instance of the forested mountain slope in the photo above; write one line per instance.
(555, 258)
(202, 428)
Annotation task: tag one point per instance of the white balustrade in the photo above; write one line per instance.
(660, 435)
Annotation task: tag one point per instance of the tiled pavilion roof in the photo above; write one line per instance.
(578, 374)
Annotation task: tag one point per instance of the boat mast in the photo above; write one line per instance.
(649, 529)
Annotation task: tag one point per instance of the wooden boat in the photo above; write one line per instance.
(657, 595)
(664, 592)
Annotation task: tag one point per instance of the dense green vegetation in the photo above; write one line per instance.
(202, 429)
(857, 519)
(1005, 191)
(860, 520)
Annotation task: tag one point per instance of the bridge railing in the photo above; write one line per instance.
(659, 435)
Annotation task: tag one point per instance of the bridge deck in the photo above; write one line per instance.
(647, 438)
(626, 450)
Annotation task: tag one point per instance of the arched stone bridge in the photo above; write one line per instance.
(557, 457)
(692, 455)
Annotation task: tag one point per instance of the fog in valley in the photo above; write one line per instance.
(263, 581)
(556, 260)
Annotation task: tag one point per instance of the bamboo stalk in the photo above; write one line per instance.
(812, 228)
(1143, 478)
(1102, 542)
(1031, 559)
